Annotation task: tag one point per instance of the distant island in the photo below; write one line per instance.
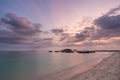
(83, 51)
(73, 51)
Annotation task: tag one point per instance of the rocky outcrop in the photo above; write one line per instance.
(67, 51)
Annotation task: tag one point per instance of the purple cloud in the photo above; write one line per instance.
(18, 30)
(108, 24)
(57, 31)
(86, 33)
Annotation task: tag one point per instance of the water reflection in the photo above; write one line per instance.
(34, 65)
(16, 65)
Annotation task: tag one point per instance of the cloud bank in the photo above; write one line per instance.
(18, 30)
(15, 30)
(105, 27)
(108, 24)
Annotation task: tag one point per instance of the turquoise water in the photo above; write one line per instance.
(39, 65)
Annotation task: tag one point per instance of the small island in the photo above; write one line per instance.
(74, 51)
(67, 51)
(83, 51)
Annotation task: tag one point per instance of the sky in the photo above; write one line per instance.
(44, 24)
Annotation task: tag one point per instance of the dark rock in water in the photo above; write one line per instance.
(67, 51)
(49, 51)
(83, 52)
(57, 51)
(86, 52)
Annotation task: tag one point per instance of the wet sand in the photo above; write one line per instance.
(108, 69)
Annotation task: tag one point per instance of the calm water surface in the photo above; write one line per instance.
(39, 65)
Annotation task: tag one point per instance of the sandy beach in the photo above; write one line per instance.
(108, 69)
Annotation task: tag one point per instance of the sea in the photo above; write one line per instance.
(43, 65)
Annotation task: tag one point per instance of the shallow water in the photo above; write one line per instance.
(24, 65)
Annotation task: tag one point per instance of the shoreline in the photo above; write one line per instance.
(78, 69)
(107, 69)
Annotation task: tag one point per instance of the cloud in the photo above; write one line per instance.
(81, 36)
(21, 25)
(15, 30)
(18, 30)
(85, 33)
(113, 11)
(108, 24)
(67, 39)
(63, 36)
(57, 31)
(105, 27)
